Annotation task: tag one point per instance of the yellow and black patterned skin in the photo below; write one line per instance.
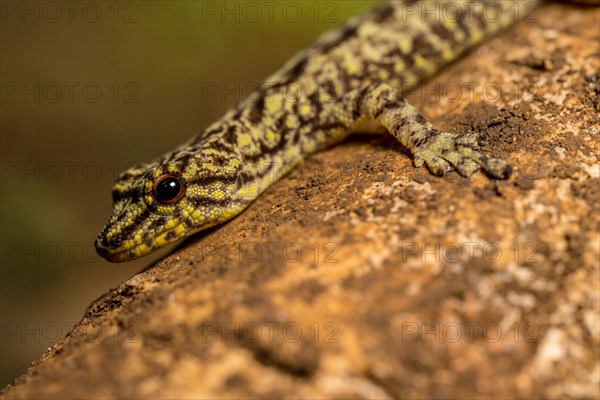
(350, 76)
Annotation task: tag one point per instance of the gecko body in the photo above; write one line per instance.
(351, 76)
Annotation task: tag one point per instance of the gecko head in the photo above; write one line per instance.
(160, 203)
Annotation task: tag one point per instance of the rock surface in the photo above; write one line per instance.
(360, 276)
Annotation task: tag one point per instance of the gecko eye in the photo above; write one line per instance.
(169, 189)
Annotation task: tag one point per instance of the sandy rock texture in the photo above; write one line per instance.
(360, 276)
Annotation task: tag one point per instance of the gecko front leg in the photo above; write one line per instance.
(440, 151)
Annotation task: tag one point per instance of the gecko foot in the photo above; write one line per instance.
(443, 151)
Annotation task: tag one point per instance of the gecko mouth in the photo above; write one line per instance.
(118, 255)
(121, 253)
(111, 255)
(130, 249)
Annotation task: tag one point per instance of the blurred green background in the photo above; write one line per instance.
(89, 88)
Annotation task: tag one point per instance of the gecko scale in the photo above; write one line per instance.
(350, 76)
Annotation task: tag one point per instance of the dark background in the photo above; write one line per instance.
(89, 88)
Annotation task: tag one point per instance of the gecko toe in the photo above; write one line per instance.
(497, 168)
(463, 165)
(470, 140)
(436, 164)
(467, 167)
(418, 161)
